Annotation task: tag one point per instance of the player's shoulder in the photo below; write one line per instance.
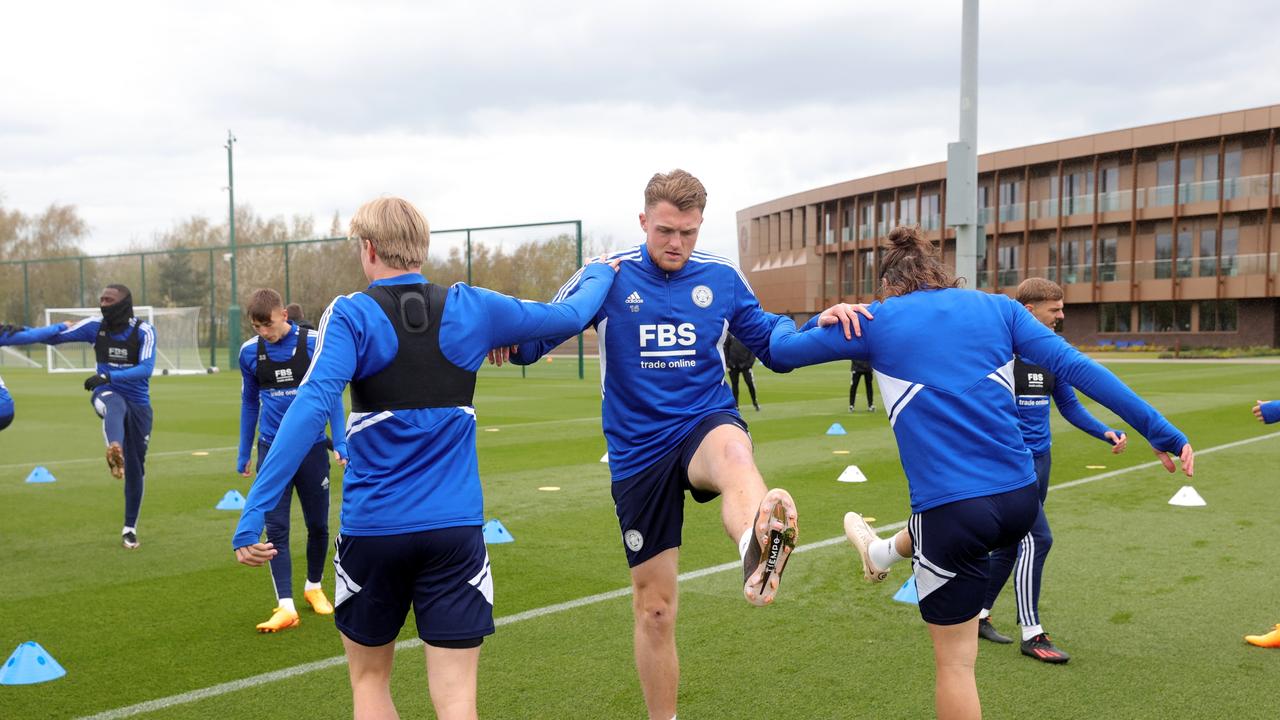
(249, 345)
(717, 265)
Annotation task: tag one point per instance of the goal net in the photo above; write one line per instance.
(10, 357)
(177, 346)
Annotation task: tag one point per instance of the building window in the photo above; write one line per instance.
(846, 285)
(1114, 317)
(1109, 189)
(886, 218)
(1164, 255)
(1052, 271)
(846, 232)
(1011, 201)
(1218, 316)
(1230, 245)
(930, 215)
(1008, 268)
(1077, 193)
(1185, 251)
(1164, 317)
(1164, 183)
(907, 210)
(1231, 174)
(984, 205)
(866, 229)
(868, 272)
(1208, 253)
(828, 234)
(1107, 250)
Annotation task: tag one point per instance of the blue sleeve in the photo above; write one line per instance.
(250, 406)
(790, 348)
(504, 320)
(332, 367)
(531, 351)
(1271, 411)
(1071, 409)
(338, 426)
(44, 334)
(749, 322)
(1042, 346)
(146, 358)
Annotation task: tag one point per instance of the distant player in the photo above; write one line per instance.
(954, 414)
(120, 389)
(1035, 386)
(294, 312)
(671, 423)
(860, 371)
(6, 406)
(272, 366)
(1266, 412)
(412, 510)
(738, 359)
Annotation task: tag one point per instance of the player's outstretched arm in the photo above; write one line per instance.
(1267, 412)
(1074, 411)
(332, 367)
(477, 320)
(790, 348)
(1042, 346)
(29, 336)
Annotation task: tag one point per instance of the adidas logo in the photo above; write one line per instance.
(634, 299)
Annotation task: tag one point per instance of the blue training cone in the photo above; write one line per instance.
(233, 500)
(836, 429)
(907, 593)
(40, 475)
(495, 533)
(30, 664)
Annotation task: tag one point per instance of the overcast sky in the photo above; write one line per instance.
(489, 113)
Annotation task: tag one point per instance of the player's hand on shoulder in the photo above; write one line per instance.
(847, 315)
(256, 554)
(604, 258)
(1257, 409)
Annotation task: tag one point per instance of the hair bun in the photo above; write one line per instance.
(904, 236)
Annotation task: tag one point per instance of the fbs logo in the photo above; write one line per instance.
(284, 375)
(667, 335)
(117, 353)
(1035, 379)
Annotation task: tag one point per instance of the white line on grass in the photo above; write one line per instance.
(270, 677)
(81, 461)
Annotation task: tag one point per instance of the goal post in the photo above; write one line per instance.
(177, 347)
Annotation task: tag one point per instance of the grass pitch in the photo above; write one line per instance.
(1150, 600)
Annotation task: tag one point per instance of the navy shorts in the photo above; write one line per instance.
(442, 574)
(950, 544)
(650, 504)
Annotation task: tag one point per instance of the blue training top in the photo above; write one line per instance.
(1035, 385)
(6, 401)
(1271, 411)
(408, 470)
(662, 365)
(265, 408)
(132, 382)
(944, 362)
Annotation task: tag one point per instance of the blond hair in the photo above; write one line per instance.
(398, 233)
(1037, 289)
(677, 187)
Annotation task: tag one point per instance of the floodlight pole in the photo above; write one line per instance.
(233, 311)
(962, 156)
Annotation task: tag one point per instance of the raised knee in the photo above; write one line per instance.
(656, 616)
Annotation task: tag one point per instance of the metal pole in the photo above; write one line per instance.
(962, 156)
(233, 309)
(213, 322)
(142, 273)
(468, 257)
(26, 296)
(82, 282)
(286, 273)
(578, 229)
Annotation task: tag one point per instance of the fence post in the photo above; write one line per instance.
(26, 296)
(142, 268)
(82, 281)
(286, 273)
(468, 257)
(213, 317)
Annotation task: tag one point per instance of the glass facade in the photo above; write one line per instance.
(1114, 317)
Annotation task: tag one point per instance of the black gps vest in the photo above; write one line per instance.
(121, 352)
(273, 375)
(1029, 379)
(419, 376)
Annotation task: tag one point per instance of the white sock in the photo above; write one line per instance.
(884, 552)
(286, 604)
(743, 543)
(984, 613)
(128, 529)
(311, 586)
(1031, 631)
